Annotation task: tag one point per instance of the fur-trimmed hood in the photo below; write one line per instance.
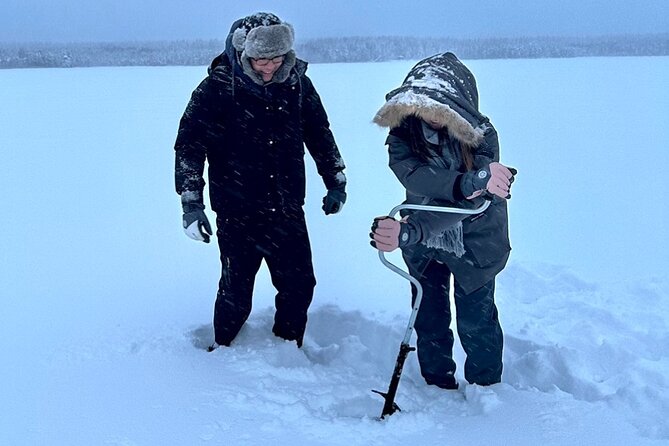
(440, 89)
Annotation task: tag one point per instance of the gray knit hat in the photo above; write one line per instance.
(264, 36)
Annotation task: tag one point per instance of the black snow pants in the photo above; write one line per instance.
(281, 239)
(477, 324)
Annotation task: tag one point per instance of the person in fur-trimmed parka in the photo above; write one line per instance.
(446, 153)
(250, 120)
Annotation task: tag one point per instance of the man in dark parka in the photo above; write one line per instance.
(250, 119)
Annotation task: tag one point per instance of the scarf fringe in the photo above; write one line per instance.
(450, 240)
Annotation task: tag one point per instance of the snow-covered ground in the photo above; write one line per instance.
(106, 305)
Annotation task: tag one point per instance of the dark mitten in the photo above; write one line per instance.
(334, 200)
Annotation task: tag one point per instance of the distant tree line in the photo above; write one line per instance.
(366, 49)
(330, 50)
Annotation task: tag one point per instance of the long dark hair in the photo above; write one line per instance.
(425, 149)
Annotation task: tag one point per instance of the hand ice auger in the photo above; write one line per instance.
(390, 407)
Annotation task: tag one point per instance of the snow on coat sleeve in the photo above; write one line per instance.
(319, 139)
(192, 140)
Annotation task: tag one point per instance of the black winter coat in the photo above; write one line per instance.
(253, 138)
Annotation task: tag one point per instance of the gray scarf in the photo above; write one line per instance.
(451, 239)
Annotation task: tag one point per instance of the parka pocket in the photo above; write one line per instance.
(486, 235)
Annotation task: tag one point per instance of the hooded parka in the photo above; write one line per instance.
(442, 89)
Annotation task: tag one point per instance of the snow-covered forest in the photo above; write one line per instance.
(329, 50)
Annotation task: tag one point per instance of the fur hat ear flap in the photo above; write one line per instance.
(239, 39)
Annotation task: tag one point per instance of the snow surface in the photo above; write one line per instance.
(106, 304)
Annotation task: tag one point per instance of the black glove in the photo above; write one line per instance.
(408, 234)
(196, 224)
(334, 201)
(478, 180)
(474, 181)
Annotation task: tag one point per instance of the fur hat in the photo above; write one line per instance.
(264, 36)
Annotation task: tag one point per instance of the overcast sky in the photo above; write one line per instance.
(122, 20)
